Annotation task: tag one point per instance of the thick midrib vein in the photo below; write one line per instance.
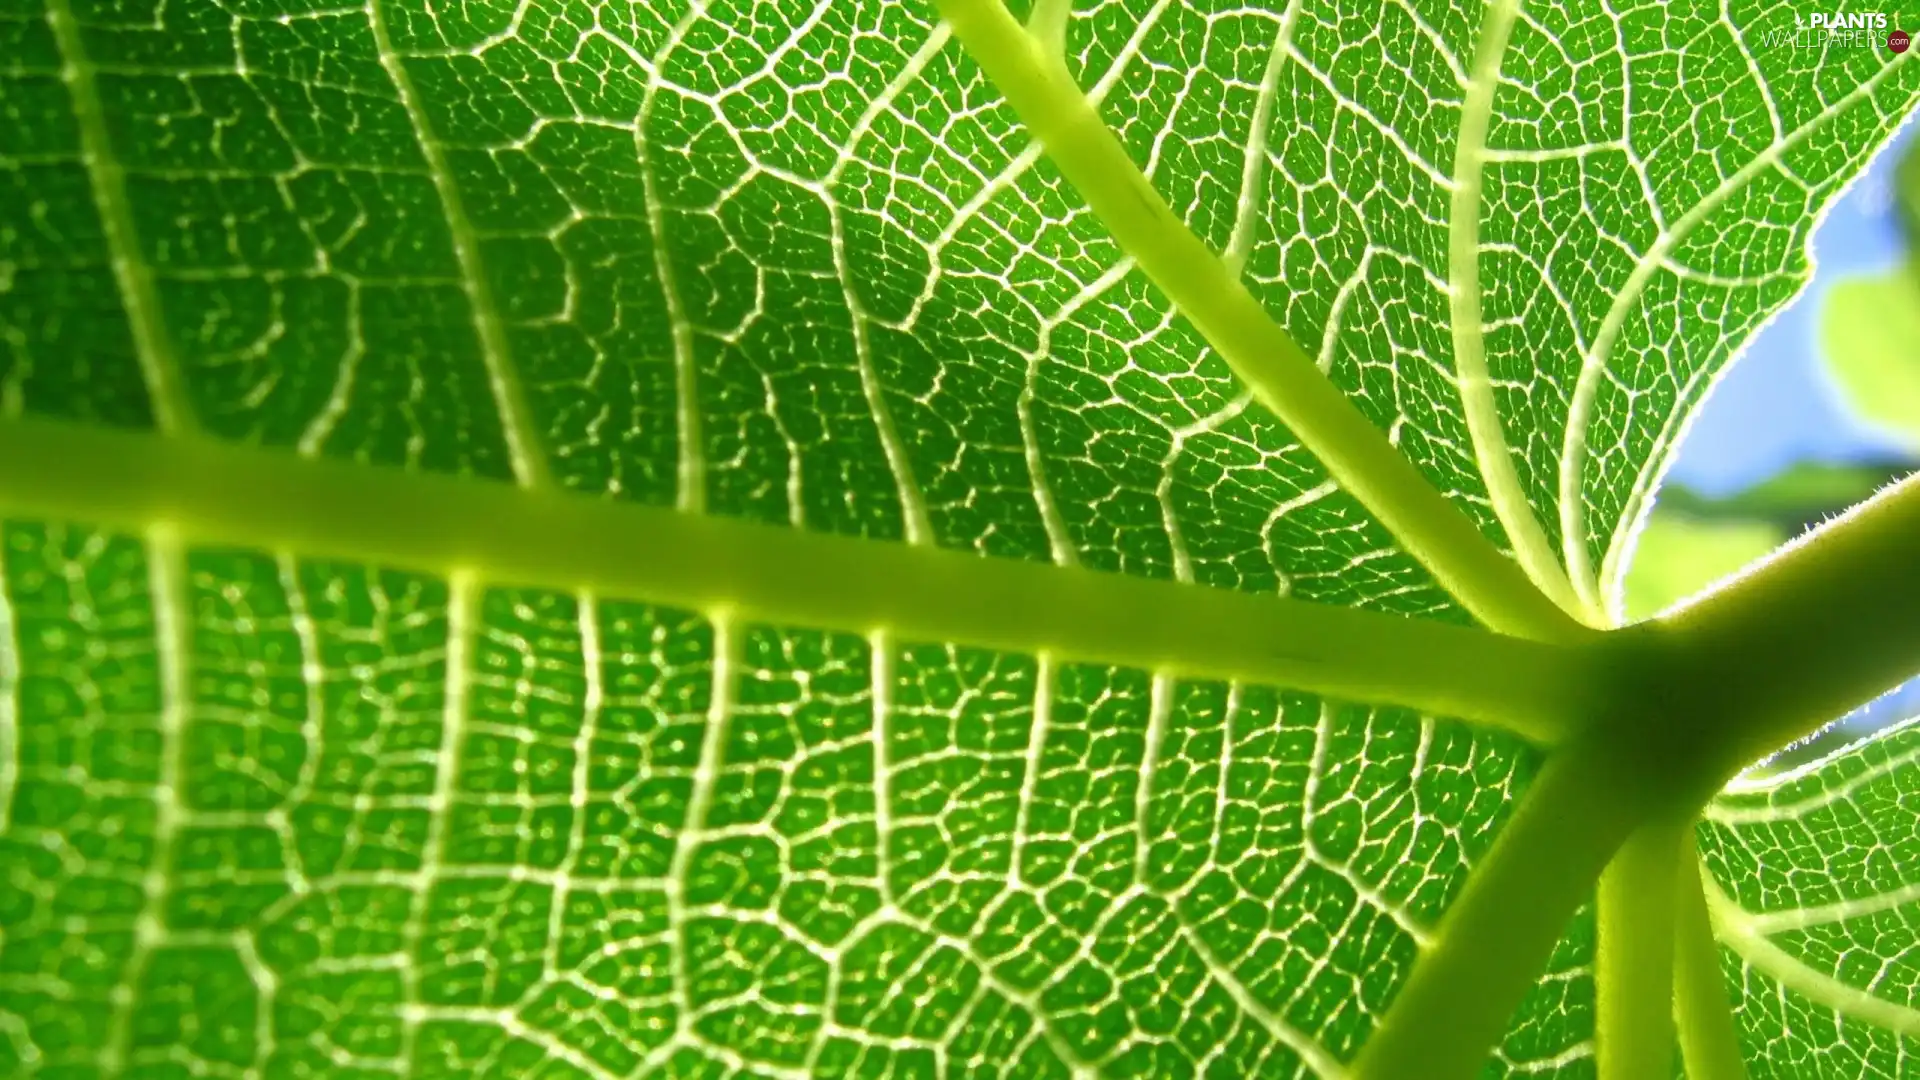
(516, 423)
(1003, 181)
(1498, 933)
(1633, 965)
(225, 494)
(1734, 927)
(172, 412)
(1709, 1043)
(1491, 452)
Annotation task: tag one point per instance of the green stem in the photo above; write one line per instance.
(1497, 936)
(1829, 622)
(222, 493)
(1634, 969)
(1212, 297)
(1709, 1045)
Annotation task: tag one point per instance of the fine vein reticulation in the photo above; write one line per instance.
(1047, 667)
(221, 494)
(1495, 459)
(1427, 1029)
(1036, 81)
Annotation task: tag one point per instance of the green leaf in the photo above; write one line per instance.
(273, 801)
(1817, 899)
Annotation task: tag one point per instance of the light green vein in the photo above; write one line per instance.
(463, 590)
(1734, 927)
(706, 775)
(881, 680)
(1773, 922)
(1491, 452)
(1045, 681)
(172, 412)
(1498, 934)
(1210, 296)
(1573, 456)
(225, 494)
(1028, 1000)
(1047, 22)
(1159, 712)
(1633, 964)
(1255, 165)
(580, 786)
(1316, 1058)
(167, 583)
(1709, 1044)
(1787, 796)
(916, 522)
(691, 465)
(516, 422)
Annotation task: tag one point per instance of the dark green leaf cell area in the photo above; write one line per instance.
(389, 827)
(737, 251)
(1830, 854)
(65, 345)
(322, 818)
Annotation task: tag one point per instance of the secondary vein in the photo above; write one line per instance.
(1211, 297)
(1490, 449)
(1254, 164)
(1732, 927)
(516, 424)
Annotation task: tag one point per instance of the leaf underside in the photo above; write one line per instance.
(262, 812)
